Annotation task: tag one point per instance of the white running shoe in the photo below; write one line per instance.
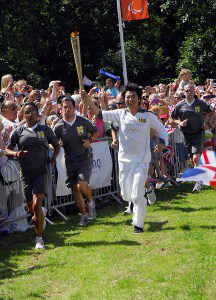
(128, 211)
(151, 196)
(92, 211)
(39, 243)
(198, 186)
(84, 220)
(159, 185)
(44, 213)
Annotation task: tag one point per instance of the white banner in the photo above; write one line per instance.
(102, 165)
(101, 171)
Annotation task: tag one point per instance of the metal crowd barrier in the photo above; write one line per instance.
(174, 165)
(102, 194)
(12, 213)
(12, 199)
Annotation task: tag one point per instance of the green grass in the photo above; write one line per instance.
(173, 259)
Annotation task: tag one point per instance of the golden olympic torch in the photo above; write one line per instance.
(75, 42)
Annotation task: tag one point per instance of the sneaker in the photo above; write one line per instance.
(44, 210)
(197, 188)
(92, 211)
(137, 230)
(167, 184)
(151, 196)
(128, 211)
(159, 185)
(39, 243)
(84, 220)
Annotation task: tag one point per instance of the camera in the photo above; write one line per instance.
(27, 88)
(209, 96)
(39, 92)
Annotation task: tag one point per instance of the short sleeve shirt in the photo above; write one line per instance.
(36, 142)
(193, 113)
(134, 133)
(72, 137)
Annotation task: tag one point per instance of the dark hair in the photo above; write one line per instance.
(132, 87)
(31, 104)
(2, 98)
(68, 98)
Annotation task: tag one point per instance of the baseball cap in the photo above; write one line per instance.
(18, 94)
(52, 82)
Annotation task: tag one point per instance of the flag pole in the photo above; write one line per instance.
(122, 43)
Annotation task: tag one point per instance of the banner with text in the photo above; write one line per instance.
(101, 171)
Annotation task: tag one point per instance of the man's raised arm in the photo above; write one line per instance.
(87, 101)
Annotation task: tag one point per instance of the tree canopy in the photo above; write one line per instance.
(35, 40)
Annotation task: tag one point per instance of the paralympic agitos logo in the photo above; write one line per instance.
(132, 10)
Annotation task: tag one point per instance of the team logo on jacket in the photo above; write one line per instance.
(41, 134)
(142, 120)
(197, 109)
(80, 130)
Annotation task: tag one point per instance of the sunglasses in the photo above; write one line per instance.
(187, 91)
(28, 112)
(13, 107)
(119, 103)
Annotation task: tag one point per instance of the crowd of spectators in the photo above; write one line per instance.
(160, 99)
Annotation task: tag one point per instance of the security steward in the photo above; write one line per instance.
(33, 142)
(189, 115)
(76, 134)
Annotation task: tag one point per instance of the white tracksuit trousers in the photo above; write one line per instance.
(132, 179)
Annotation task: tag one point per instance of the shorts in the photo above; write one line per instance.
(78, 171)
(194, 143)
(34, 183)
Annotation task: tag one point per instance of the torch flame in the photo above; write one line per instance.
(74, 33)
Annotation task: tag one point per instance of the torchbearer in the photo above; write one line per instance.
(134, 147)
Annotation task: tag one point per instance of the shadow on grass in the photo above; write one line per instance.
(9, 272)
(158, 226)
(183, 209)
(105, 243)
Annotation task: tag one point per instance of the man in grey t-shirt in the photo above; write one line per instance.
(189, 115)
(76, 134)
(33, 142)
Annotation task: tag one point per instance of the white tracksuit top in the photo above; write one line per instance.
(134, 133)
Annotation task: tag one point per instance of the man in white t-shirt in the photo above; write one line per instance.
(134, 147)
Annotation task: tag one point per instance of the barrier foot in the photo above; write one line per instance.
(117, 199)
(60, 213)
(174, 182)
(48, 221)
